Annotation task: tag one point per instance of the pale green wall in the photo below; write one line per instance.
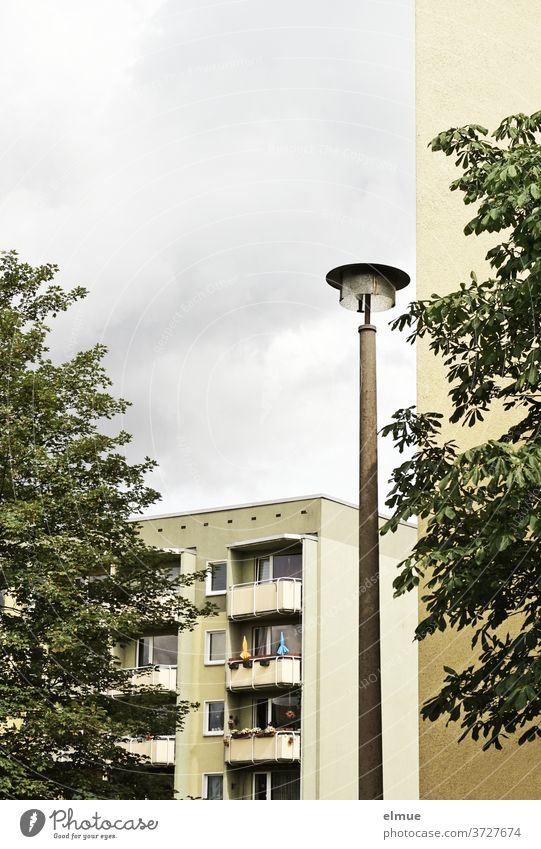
(338, 664)
(310, 753)
(209, 534)
(338, 639)
(400, 680)
(476, 63)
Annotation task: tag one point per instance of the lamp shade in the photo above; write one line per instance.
(360, 279)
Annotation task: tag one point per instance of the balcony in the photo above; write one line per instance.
(160, 751)
(263, 673)
(152, 676)
(279, 747)
(263, 598)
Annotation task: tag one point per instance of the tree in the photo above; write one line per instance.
(77, 579)
(479, 557)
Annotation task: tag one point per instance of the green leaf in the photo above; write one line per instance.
(79, 580)
(482, 575)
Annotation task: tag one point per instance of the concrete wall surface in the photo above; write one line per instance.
(476, 63)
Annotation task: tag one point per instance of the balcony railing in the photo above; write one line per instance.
(261, 598)
(152, 676)
(264, 672)
(280, 747)
(159, 750)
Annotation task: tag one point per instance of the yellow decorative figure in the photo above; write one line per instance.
(245, 654)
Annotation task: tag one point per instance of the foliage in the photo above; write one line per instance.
(76, 577)
(479, 558)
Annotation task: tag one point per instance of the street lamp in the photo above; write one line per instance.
(368, 288)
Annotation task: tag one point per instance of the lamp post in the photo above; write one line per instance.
(368, 288)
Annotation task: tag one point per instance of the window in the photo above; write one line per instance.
(263, 569)
(214, 647)
(260, 786)
(216, 578)
(278, 566)
(266, 640)
(160, 650)
(214, 718)
(277, 786)
(280, 712)
(213, 786)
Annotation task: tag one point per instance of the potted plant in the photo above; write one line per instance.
(269, 731)
(245, 732)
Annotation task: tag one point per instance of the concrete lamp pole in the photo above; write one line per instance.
(368, 288)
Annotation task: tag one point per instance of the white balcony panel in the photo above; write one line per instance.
(261, 598)
(152, 676)
(281, 747)
(264, 673)
(155, 676)
(159, 750)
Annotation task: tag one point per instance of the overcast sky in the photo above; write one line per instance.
(199, 167)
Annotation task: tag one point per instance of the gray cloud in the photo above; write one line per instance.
(200, 169)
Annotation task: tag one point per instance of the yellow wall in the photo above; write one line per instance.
(476, 63)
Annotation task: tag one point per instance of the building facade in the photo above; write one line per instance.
(274, 672)
(476, 64)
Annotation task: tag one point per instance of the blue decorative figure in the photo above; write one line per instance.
(282, 648)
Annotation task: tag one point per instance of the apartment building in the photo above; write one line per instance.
(274, 671)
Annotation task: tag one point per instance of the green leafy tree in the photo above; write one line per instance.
(479, 558)
(76, 578)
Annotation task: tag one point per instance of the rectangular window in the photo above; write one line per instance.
(159, 650)
(277, 786)
(289, 636)
(214, 647)
(260, 786)
(285, 786)
(278, 566)
(286, 711)
(261, 642)
(287, 566)
(144, 651)
(213, 787)
(267, 640)
(263, 569)
(281, 712)
(214, 718)
(261, 713)
(164, 650)
(216, 582)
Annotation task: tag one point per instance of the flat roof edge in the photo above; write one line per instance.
(251, 504)
(243, 506)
